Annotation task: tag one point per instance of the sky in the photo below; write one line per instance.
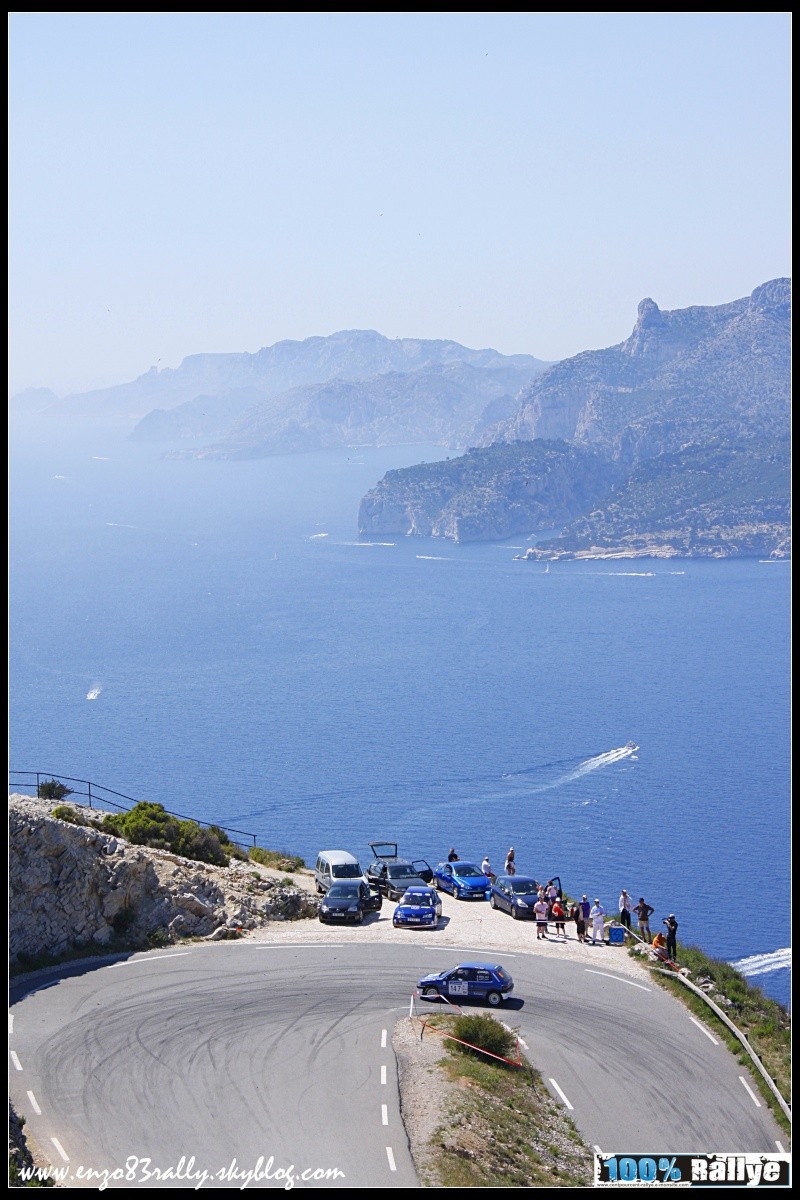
(185, 183)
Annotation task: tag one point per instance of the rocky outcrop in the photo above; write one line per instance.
(73, 887)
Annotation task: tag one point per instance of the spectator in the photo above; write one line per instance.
(576, 915)
(552, 891)
(452, 856)
(511, 866)
(559, 916)
(541, 910)
(625, 909)
(643, 912)
(596, 914)
(486, 867)
(585, 909)
(672, 936)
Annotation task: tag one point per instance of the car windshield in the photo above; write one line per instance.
(417, 900)
(346, 871)
(467, 870)
(343, 891)
(402, 871)
(524, 887)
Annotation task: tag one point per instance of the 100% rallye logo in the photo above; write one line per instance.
(692, 1170)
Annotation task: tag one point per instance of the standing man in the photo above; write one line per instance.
(541, 909)
(643, 912)
(596, 913)
(452, 856)
(672, 936)
(625, 909)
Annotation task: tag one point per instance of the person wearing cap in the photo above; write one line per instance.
(643, 912)
(511, 865)
(672, 936)
(585, 907)
(597, 913)
(625, 909)
(486, 868)
(541, 909)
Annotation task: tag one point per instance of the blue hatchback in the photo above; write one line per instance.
(469, 981)
(419, 908)
(464, 880)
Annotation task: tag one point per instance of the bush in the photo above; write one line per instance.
(276, 859)
(484, 1032)
(64, 812)
(149, 824)
(51, 789)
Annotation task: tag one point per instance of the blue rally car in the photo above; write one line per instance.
(463, 880)
(420, 907)
(469, 981)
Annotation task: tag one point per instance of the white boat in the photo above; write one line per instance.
(631, 746)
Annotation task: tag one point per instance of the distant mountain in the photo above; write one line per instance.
(691, 417)
(490, 493)
(31, 401)
(349, 355)
(451, 403)
(685, 376)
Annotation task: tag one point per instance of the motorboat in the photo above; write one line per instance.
(631, 746)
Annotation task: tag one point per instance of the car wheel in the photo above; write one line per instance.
(492, 901)
(430, 993)
(516, 914)
(437, 884)
(495, 999)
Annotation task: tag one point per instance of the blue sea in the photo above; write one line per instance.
(215, 636)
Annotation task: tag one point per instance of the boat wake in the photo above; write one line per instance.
(596, 763)
(763, 964)
(94, 691)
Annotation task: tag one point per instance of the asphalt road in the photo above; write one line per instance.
(277, 1057)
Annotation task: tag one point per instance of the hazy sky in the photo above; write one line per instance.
(194, 182)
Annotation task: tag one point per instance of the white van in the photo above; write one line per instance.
(335, 865)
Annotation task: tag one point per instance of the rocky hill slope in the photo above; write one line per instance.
(73, 887)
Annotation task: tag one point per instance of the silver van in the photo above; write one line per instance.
(333, 866)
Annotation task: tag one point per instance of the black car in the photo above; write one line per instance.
(515, 894)
(349, 903)
(394, 875)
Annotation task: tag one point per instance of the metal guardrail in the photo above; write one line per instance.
(98, 798)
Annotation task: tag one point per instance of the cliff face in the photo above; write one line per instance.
(72, 887)
(488, 494)
(689, 375)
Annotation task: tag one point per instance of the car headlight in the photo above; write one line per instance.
(324, 908)
(353, 908)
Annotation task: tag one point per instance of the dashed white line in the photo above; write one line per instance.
(703, 1029)
(291, 945)
(383, 1039)
(597, 1150)
(10, 1024)
(132, 962)
(385, 1114)
(561, 1094)
(383, 1074)
(390, 1156)
(750, 1091)
(34, 1105)
(60, 1149)
(780, 1147)
(15, 1061)
(618, 978)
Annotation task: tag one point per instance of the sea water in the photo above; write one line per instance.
(215, 636)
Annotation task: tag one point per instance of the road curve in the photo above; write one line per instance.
(277, 1058)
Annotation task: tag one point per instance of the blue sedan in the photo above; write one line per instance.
(515, 894)
(469, 981)
(420, 907)
(463, 880)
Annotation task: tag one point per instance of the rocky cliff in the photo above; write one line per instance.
(74, 887)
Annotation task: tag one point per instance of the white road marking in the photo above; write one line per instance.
(34, 1105)
(383, 1075)
(132, 962)
(703, 1029)
(60, 1149)
(561, 1094)
(15, 1061)
(597, 1150)
(750, 1091)
(385, 1114)
(780, 1147)
(291, 945)
(459, 948)
(383, 1039)
(618, 978)
(390, 1157)
(10, 1024)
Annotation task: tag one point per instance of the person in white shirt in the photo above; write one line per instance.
(625, 909)
(486, 867)
(596, 915)
(541, 908)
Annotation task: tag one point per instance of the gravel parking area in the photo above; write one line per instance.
(466, 925)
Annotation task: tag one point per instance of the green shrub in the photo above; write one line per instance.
(484, 1032)
(276, 859)
(64, 812)
(149, 824)
(51, 789)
